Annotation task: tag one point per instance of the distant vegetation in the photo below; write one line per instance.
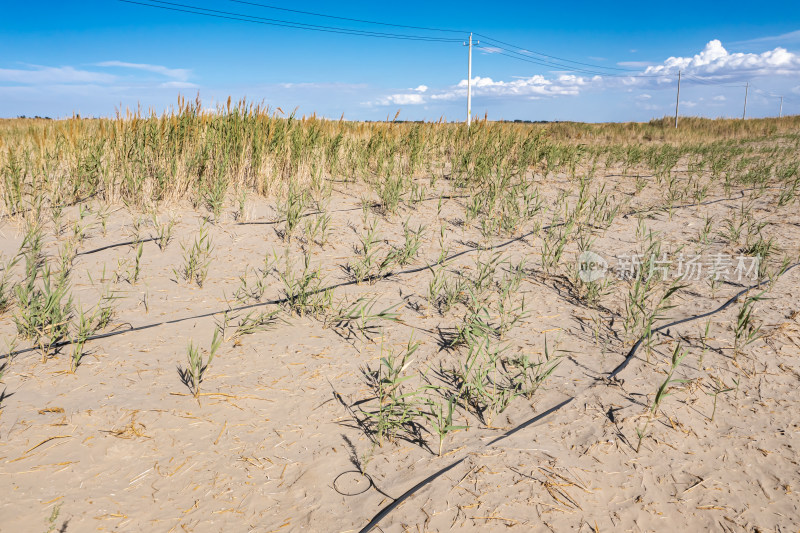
(201, 155)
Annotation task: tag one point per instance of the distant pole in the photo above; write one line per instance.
(469, 84)
(678, 100)
(780, 109)
(469, 81)
(746, 87)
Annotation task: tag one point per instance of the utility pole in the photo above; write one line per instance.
(780, 109)
(469, 80)
(746, 88)
(678, 100)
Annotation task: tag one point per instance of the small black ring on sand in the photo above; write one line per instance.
(362, 474)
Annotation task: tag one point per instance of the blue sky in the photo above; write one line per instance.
(94, 57)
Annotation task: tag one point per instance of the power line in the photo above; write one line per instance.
(214, 13)
(486, 37)
(494, 50)
(196, 10)
(496, 46)
(705, 81)
(427, 28)
(521, 51)
(267, 6)
(524, 57)
(514, 54)
(527, 59)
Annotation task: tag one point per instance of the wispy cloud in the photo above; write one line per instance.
(180, 74)
(178, 85)
(323, 85)
(634, 64)
(791, 37)
(41, 75)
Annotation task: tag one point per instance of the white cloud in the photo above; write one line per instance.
(530, 87)
(178, 85)
(39, 75)
(791, 37)
(401, 99)
(175, 73)
(716, 63)
(416, 97)
(324, 85)
(648, 106)
(634, 64)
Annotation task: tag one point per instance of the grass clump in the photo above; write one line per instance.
(304, 293)
(44, 302)
(441, 418)
(196, 258)
(197, 365)
(745, 329)
(362, 316)
(291, 209)
(662, 392)
(532, 374)
(398, 412)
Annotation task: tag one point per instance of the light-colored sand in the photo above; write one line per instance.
(122, 445)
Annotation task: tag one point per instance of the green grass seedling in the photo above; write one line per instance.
(717, 387)
(291, 209)
(53, 518)
(662, 392)
(192, 376)
(361, 315)
(197, 259)
(397, 411)
(164, 232)
(532, 374)
(745, 329)
(441, 419)
(304, 293)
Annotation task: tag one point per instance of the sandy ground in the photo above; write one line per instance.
(271, 443)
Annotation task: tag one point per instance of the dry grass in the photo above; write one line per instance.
(366, 235)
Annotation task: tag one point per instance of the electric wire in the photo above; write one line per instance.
(268, 6)
(486, 37)
(564, 67)
(706, 81)
(490, 44)
(429, 28)
(215, 13)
